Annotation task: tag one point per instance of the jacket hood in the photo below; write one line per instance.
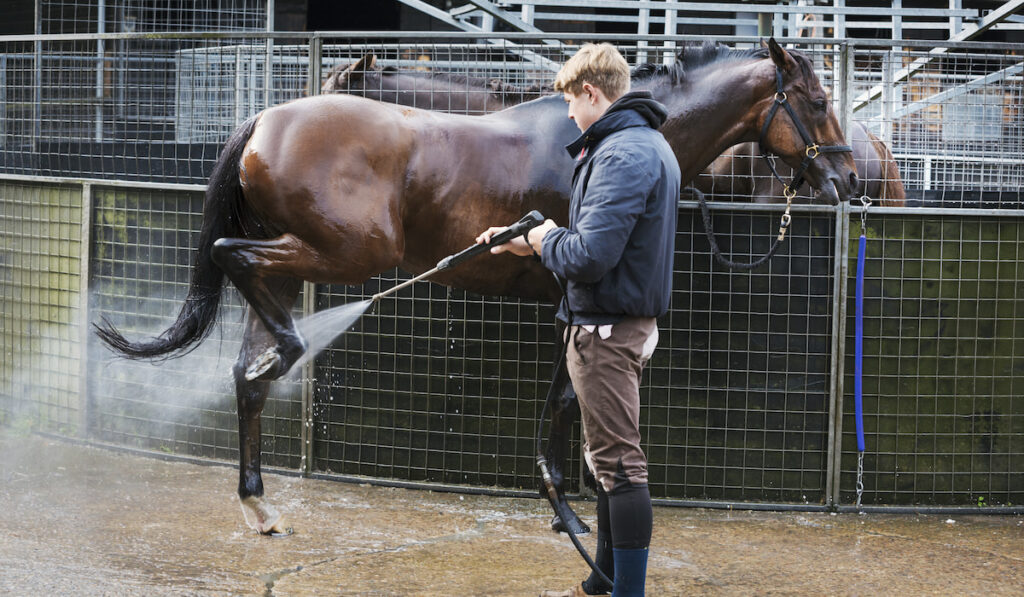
(636, 108)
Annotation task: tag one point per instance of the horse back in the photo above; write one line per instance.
(467, 173)
(369, 186)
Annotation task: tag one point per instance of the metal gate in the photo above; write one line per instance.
(747, 401)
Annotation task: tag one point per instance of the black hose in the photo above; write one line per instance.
(542, 462)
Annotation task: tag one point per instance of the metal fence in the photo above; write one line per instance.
(748, 398)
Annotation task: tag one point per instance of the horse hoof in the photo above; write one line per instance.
(267, 520)
(279, 529)
(578, 526)
(264, 366)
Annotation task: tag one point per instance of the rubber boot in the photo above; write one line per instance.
(630, 572)
(604, 559)
(603, 554)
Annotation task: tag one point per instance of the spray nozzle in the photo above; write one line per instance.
(524, 225)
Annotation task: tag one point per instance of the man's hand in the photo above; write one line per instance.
(518, 246)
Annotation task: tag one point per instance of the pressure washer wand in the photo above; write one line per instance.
(524, 225)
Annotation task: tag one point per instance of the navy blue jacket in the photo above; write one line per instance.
(616, 254)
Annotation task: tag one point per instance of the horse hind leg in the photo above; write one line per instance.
(251, 396)
(253, 265)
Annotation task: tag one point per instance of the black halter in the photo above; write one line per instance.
(811, 150)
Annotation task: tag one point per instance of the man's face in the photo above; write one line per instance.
(585, 108)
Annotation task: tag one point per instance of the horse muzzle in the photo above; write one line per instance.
(834, 187)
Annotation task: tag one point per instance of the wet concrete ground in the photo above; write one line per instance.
(87, 521)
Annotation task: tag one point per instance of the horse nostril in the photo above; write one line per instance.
(853, 181)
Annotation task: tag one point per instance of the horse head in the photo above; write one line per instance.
(797, 123)
(341, 78)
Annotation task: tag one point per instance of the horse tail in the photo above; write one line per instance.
(892, 192)
(222, 217)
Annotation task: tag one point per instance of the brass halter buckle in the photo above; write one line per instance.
(812, 151)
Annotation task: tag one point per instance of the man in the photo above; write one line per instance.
(616, 259)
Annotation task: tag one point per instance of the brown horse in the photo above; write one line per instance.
(740, 174)
(337, 188)
(444, 92)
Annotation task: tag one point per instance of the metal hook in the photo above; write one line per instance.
(865, 203)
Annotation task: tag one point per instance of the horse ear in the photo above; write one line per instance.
(764, 44)
(780, 56)
(364, 64)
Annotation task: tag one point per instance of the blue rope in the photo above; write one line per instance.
(858, 343)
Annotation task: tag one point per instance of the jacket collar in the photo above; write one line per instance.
(637, 108)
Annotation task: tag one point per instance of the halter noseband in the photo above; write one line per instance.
(811, 150)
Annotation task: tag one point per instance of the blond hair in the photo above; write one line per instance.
(601, 65)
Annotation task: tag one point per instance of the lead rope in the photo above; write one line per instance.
(858, 344)
(717, 252)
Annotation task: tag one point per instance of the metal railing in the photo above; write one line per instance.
(747, 401)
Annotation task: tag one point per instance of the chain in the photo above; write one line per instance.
(860, 477)
(865, 202)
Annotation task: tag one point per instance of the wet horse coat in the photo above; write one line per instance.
(335, 189)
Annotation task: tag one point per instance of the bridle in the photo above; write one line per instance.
(811, 151)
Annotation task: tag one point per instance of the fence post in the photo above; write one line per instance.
(889, 96)
(839, 302)
(844, 78)
(3, 101)
(37, 80)
(268, 67)
(85, 240)
(309, 295)
(100, 28)
(837, 386)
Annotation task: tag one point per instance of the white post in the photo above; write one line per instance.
(3, 99)
(239, 97)
(101, 26)
(897, 19)
(793, 19)
(643, 27)
(670, 29)
(268, 67)
(84, 334)
(955, 23)
(527, 14)
(889, 97)
(840, 20)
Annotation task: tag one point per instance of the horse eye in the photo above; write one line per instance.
(821, 104)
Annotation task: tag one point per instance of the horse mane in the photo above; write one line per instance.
(694, 55)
